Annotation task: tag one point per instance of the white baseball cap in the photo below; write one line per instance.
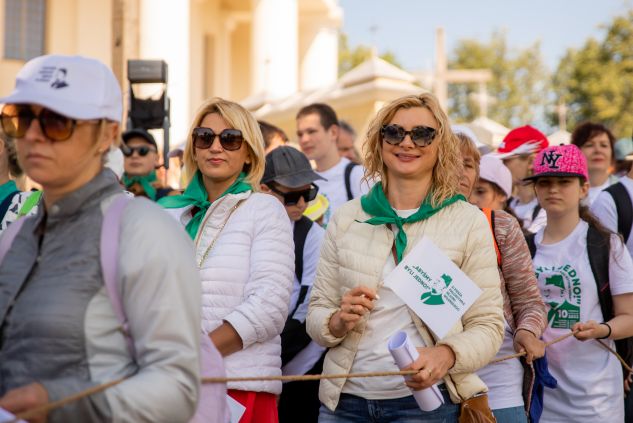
(75, 86)
(493, 170)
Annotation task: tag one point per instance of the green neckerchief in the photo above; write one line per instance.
(144, 181)
(375, 203)
(196, 195)
(6, 189)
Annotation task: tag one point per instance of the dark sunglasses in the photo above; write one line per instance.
(292, 198)
(142, 150)
(230, 139)
(16, 119)
(420, 135)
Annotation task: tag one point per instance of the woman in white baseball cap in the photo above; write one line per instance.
(60, 321)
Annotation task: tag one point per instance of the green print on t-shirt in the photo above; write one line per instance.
(563, 293)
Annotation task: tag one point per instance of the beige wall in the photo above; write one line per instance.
(72, 27)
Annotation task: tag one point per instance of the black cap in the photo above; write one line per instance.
(289, 167)
(140, 133)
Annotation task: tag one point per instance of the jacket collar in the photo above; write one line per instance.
(87, 196)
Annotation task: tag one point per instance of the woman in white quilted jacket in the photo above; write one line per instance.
(412, 150)
(244, 250)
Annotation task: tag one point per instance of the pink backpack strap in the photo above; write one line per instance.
(109, 245)
(8, 236)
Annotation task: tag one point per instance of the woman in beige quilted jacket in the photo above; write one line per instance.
(413, 152)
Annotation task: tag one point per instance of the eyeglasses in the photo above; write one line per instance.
(420, 135)
(293, 197)
(16, 119)
(230, 139)
(142, 150)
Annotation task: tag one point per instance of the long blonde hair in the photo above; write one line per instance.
(446, 171)
(236, 117)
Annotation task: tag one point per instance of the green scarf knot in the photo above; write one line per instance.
(196, 195)
(375, 203)
(144, 181)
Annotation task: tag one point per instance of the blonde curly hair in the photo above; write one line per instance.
(447, 169)
(236, 117)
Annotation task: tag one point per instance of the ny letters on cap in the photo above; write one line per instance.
(560, 160)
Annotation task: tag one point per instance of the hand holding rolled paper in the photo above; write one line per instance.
(406, 356)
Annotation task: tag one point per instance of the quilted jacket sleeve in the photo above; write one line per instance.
(263, 313)
(325, 298)
(483, 321)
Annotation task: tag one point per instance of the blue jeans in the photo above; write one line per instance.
(510, 415)
(353, 409)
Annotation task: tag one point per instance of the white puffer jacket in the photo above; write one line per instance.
(246, 280)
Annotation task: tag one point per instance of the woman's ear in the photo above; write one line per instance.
(584, 189)
(265, 188)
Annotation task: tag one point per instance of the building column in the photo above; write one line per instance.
(319, 64)
(275, 48)
(164, 35)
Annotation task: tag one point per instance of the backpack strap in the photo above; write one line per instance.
(348, 180)
(536, 211)
(299, 235)
(598, 251)
(8, 236)
(531, 243)
(109, 247)
(623, 207)
(490, 215)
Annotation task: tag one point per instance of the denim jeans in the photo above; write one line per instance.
(510, 415)
(353, 409)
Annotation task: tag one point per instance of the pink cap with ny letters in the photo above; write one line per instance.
(560, 160)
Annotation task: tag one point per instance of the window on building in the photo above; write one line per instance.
(24, 28)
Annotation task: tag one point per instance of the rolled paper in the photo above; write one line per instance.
(404, 354)
(5, 416)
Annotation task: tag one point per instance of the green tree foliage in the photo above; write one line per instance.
(596, 81)
(349, 58)
(519, 82)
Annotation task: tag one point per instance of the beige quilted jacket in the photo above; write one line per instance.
(354, 253)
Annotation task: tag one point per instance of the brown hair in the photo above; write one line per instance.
(327, 115)
(587, 130)
(236, 117)
(446, 171)
(12, 158)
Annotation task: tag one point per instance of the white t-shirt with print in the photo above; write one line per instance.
(390, 315)
(524, 211)
(604, 209)
(505, 378)
(334, 187)
(589, 377)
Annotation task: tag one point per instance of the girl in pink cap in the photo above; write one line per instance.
(583, 272)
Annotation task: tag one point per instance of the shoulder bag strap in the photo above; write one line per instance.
(109, 256)
(348, 180)
(624, 209)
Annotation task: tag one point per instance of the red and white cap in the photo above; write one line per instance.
(75, 86)
(522, 140)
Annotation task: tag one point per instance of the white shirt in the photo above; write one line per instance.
(334, 187)
(589, 377)
(594, 191)
(604, 209)
(390, 315)
(524, 212)
(307, 357)
(505, 378)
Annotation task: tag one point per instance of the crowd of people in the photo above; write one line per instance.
(272, 261)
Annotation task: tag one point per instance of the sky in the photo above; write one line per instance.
(407, 27)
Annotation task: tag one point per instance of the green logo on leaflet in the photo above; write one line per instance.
(434, 296)
(562, 292)
(437, 291)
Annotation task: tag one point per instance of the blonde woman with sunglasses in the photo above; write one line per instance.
(412, 151)
(60, 332)
(244, 250)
